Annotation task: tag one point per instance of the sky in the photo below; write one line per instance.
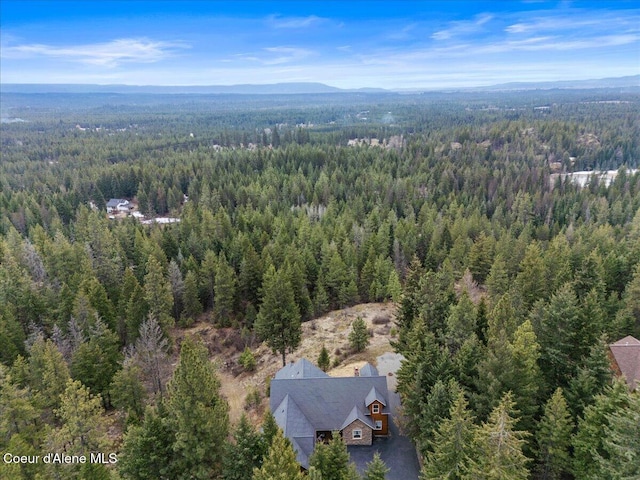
(346, 44)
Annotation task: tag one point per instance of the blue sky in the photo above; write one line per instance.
(349, 44)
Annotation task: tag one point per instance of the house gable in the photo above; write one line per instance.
(357, 433)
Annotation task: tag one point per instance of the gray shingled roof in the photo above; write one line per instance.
(368, 370)
(303, 368)
(375, 395)
(291, 419)
(626, 353)
(303, 447)
(326, 402)
(114, 202)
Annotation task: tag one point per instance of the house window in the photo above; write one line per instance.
(378, 424)
(375, 408)
(357, 434)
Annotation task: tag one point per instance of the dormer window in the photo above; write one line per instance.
(375, 408)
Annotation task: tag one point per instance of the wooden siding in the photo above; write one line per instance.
(383, 417)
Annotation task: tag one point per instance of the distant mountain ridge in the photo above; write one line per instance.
(307, 87)
(613, 82)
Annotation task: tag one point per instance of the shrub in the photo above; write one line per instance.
(381, 320)
(248, 360)
(253, 399)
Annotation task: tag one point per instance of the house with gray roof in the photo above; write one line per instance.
(310, 406)
(115, 205)
(625, 360)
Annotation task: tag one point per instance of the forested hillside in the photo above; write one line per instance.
(509, 283)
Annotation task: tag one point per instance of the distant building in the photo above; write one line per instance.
(310, 406)
(116, 205)
(625, 360)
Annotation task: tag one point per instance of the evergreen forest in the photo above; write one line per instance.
(510, 279)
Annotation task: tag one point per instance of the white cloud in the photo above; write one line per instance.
(580, 21)
(108, 54)
(277, 21)
(460, 28)
(277, 55)
(557, 44)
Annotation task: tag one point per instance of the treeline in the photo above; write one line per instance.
(505, 281)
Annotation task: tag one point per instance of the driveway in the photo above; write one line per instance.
(396, 450)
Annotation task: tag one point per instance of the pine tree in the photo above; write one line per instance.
(482, 321)
(592, 376)
(147, 450)
(47, 373)
(337, 279)
(531, 279)
(452, 444)
(18, 414)
(280, 462)
(250, 278)
(434, 408)
(158, 294)
(376, 469)
(554, 438)
(297, 278)
(589, 452)
(83, 427)
(368, 275)
(481, 257)
(136, 312)
(269, 428)
(410, 302)
(314, 474)
(628, 318)
(176, 282)
(208, 271)
(225, 292)
(128, 327)
(331, 459)
(278, 322)
(498, 278)
(359, 336)
(150, 353)
(96, 361)
(323, 359)
(190, 299)
(83, 430)
(394, 288)
(128, 393)
(622, 442)
(244, 454)
(525, 353)
(197, 412)
(499, 446)
(557, 329)
(461, 322)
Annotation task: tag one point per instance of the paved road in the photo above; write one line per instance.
(397, 451)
